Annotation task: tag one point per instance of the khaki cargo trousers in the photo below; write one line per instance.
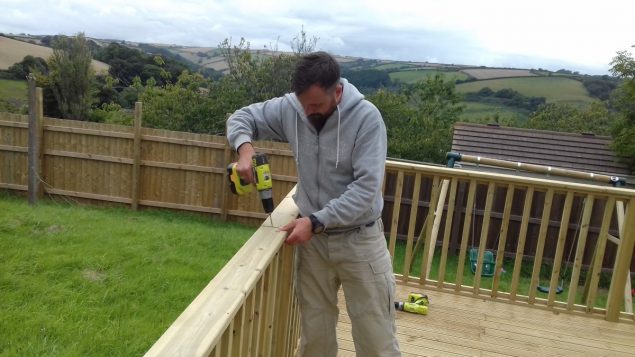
(359, 262)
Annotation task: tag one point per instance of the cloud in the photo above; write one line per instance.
(541, 33)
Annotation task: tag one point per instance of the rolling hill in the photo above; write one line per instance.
(13, 51)
(531, 83)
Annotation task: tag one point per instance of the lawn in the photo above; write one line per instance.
(86, 281)
(14, 91)
(505, 279)
(554, 89)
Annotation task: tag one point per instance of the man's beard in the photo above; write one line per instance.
(321, 117)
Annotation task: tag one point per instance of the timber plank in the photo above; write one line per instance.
(458, 325)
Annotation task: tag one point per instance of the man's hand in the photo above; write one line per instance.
(299, 231)
(245, 166)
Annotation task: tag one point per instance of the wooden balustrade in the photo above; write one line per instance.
(249, 308)
(613, 204)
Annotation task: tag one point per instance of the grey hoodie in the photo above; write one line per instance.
(341, 169)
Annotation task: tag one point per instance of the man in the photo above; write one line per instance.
(339, 143)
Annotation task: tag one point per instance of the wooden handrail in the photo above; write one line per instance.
(236, 310)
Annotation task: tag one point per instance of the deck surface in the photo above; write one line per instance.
(466, 326)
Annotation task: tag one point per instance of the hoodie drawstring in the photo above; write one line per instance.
(337, 155)
(297, 145)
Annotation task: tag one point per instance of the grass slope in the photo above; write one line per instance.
(78, 281)
(411, 76)
(13, 51)
(474, 111)
(554, 89)
(14, 91)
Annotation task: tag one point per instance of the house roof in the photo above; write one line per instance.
(582, 152)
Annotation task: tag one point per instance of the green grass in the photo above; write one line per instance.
(14, 90)
(81, 281)
(506, 277)
(475, 112)
(388, 66)
(411, 76)
(554, 89)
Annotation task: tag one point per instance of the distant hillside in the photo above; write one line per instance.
(554, 89)
(13, 51)
(561, 86)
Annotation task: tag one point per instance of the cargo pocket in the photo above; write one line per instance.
(368, 288)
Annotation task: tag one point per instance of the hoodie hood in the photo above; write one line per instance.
(351, 96)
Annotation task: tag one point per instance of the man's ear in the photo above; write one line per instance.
(339, 89)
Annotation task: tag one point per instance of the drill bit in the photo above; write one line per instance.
(271, 219)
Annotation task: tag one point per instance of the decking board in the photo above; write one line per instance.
(458, 325)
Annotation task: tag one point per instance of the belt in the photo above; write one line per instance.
(347, 229)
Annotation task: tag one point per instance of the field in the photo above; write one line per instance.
(13, 51)
(554, 89)
(474, 111)
(83, 281)
(417, 75)
(489, 73)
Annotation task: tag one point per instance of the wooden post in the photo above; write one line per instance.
(622, 264)
(540, 245)
(579, 252)
(428, 243)
(446, 234)
(436, 224)
(394, 224)
(223, 187)
(482, 246)
(136, 155)
(414, 206)
(628, 298)
(35, 141)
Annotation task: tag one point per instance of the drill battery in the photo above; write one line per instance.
(418, 298)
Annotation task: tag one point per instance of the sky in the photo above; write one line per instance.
(580, 35)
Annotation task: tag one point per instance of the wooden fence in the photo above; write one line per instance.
(135, 166)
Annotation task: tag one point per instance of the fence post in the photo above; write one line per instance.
(225, 191)
(35, 141)
(622, 265)
(136, 155)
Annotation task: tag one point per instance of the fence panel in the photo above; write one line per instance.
(177, 170)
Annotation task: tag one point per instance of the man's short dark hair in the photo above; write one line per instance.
(315, 68)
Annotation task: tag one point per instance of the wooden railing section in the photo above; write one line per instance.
(613, 203)
(249, 308)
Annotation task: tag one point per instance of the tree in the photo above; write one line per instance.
(29, 64)
(566, 118)
(419, 118)
(623, 131)
(193, 103)
(264, 76)
(72, 77)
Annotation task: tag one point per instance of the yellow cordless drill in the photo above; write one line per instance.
(263, 182)
(417, 303)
